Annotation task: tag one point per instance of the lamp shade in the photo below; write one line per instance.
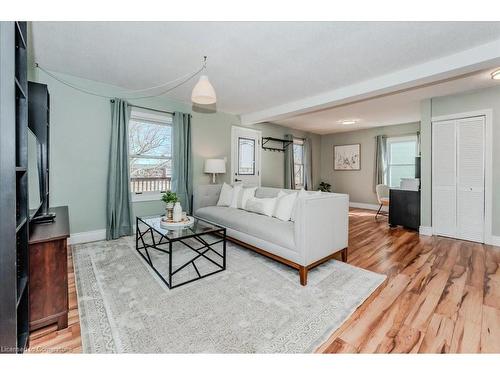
(215, 166)
(203, 92)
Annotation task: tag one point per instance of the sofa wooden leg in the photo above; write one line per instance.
(303, 275)
(344, 255)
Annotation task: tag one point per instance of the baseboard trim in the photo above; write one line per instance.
(494, 240)
(83, 237)
(425, 231)
(368, 206)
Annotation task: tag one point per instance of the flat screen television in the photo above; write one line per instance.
(34, 174)
(417, 167)
(38, 152)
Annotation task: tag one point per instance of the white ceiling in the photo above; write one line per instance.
(254, 66)
(399, 108)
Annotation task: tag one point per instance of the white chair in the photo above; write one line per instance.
(382, 197)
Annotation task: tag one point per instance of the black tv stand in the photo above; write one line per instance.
(49, 217)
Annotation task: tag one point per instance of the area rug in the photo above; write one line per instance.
(255, 306)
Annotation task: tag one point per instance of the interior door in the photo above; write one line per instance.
(444, 197)
(245, 156)
(458, 177)
(470, 178)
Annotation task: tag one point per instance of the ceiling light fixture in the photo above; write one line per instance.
(203, 92)
(495, 74)
(347, 122)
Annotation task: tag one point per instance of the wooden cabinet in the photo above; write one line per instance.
(49, 271)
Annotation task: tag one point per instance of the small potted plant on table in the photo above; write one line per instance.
(325, 187)
(170, 198)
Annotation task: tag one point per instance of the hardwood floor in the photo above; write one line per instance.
(440, 296)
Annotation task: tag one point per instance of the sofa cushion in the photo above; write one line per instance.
(245, 195)
(237, 188)
(267, 228)
(263, 206)
(226, 195)
(284, 206)
(267, 192)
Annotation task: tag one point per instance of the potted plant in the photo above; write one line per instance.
(170, 198)
(325, 186)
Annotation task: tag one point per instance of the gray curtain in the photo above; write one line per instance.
(118, 209)
(308, 184)
(289, 167)
(380, 161)
(182, 170)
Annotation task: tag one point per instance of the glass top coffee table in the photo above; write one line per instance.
(195, 243)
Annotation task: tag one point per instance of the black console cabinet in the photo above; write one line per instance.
(404, 208)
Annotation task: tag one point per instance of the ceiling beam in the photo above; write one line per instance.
(464, 62)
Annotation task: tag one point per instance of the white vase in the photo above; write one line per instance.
(177, 215)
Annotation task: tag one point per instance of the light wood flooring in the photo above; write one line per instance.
(440, 296)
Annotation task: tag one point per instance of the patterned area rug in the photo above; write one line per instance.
(255, 306)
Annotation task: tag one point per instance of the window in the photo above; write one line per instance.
(298, 162)
(401, 153)
(246, 156)
(150, 154)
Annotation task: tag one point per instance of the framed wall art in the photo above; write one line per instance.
(347, 157)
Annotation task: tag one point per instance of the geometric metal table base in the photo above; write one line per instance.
(146, 241)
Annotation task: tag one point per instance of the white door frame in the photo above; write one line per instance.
(488, 165)
(258, 133)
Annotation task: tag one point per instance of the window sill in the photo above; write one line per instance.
(146, 197)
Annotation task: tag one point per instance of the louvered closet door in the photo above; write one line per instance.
(470, 178)
(444, 197)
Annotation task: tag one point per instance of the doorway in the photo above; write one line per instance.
(245, 156)
(461, 176)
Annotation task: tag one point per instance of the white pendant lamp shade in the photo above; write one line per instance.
(203, 92)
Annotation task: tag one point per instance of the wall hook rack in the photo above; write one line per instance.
(284, 144)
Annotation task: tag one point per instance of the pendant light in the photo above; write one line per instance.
(203, 92)
(496, 74)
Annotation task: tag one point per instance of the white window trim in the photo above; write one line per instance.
(398, 139)
(156, 118)
(299, 141)
(146, 196)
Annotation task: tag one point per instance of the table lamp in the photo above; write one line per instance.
(215, 166)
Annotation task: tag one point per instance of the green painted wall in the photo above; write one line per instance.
(80, 135)
(471, 101)
(358, 184)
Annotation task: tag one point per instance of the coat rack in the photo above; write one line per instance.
(284, 144)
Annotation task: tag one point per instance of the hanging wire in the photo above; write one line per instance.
(184, 79)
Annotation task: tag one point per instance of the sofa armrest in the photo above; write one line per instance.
(205, 195)
(321, 226)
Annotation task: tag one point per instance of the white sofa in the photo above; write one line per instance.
(320, 229)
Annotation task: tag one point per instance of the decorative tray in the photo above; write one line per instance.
(167, 224)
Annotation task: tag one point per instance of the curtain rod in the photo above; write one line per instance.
(400, 135)
(149, 109)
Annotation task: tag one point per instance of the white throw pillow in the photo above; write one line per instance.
(226, 195)
(302, 193)
(237, 188)
(284, 205)
(245, 195)
(263, 206)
